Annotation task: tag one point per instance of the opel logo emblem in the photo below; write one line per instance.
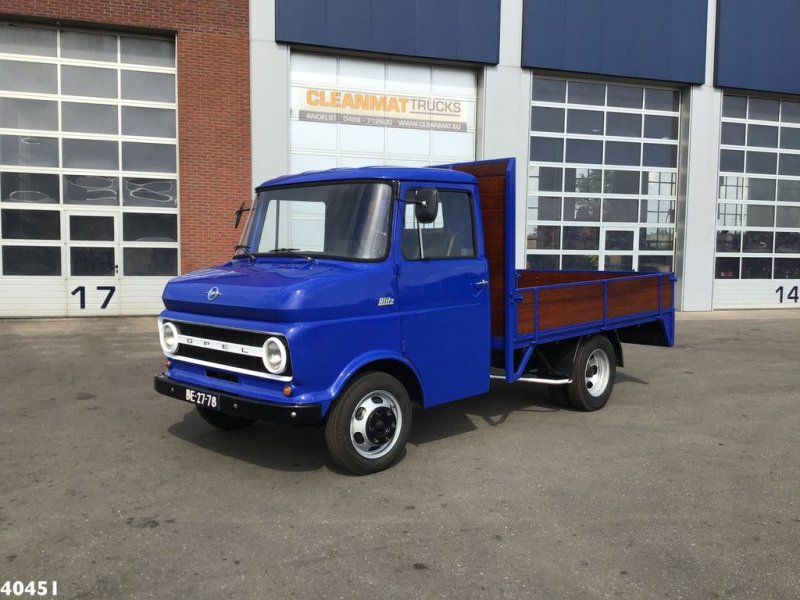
(213, 293)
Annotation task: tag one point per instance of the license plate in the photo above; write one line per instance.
(202, 399)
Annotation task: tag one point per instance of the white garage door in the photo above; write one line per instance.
(758, 210)
(349, 112)
(88, 172)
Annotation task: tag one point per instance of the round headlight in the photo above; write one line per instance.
(168, 335)
(274, 355)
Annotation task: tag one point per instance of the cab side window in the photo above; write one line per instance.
(451, 235)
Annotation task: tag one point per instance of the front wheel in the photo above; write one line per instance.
(368, 426)
(592, 374)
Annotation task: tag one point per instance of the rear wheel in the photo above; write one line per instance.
(368, 426)
(593, 374)
(222, 421)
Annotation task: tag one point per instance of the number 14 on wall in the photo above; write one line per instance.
(81, 291)
(792, 295)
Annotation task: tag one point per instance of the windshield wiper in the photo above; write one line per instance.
(287, 250)
(246, 252)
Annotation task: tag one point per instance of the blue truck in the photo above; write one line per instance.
(356, 294)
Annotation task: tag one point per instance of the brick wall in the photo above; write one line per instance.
(213, 103)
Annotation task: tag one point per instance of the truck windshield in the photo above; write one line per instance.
(348, 221)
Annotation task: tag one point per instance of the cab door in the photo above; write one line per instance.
(443, 295)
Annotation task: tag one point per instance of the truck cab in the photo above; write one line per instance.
(353, 294)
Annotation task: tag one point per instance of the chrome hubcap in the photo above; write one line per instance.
(598, 371)
(375, 424)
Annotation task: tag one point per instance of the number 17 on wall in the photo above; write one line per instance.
(81, 292)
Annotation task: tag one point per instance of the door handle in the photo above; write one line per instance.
(481, 283)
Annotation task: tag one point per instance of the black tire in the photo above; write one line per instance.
(377, 407)
(223, 421)
(593, 374)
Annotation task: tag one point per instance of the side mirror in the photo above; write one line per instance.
(238, 214)
(427, 205)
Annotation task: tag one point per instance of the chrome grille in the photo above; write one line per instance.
(236, 350)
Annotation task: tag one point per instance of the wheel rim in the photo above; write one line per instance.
(598, 372)
(375, 424)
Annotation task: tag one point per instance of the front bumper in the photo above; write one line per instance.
(300, 414)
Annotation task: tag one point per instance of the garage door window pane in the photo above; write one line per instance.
(624, 96)
(787, 242)
(727, 268)
(32, 260)
(760, 189)
(587, 93)
(762, 135)
(622, 153)
(757, 241)
(155, 87)
(585, 151)
(548, 90)
(148, 157)
(762, 109)
(790, 138)
(616, 262)
(581, 238)
(91, 229)
(790, 112)
(29, 187)
(729, 241)
(90, 154)
(733, 134)
(145, 51)
(17, 76)
(657, 264)
(89, 46)
(28, 151)
(660, 155)
(138, 227)
(789, 190)
(138, 191)
(621, 182)
(91, 262)
(94, 190)
(585, 121)
(621, 210)
(16, 113)
(543, 261)
(580, 262)
(545, 179)
(547, 119)
(544, 237)
(88, 118)
(31, 224)
(154, 122)
(619, 240)
(624, 125)
(547, 149)
(731, 161)
(544, 208)
(659, 183)
(87, 81)
(661, 100)
(734, 107)
(585, 181)
(656, 238)
(756, 268)
(760, 216)
(27, 40)
(150, 261)
(790, 164)
(581, 209)
(787, 268)
(788, 216)
(661, 128)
